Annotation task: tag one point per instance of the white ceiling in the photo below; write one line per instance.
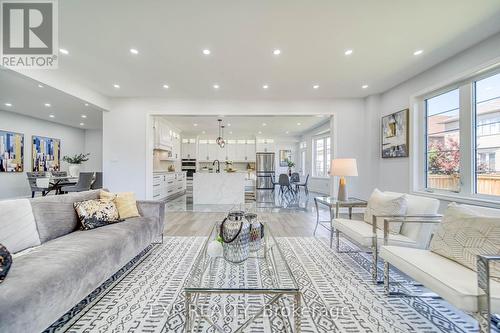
(246, 126)
(29, 99)
(313, 35)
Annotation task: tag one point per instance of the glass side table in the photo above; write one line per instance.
(333, 204)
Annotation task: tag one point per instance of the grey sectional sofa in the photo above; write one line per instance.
(50, 279)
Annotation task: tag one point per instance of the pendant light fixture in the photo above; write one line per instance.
(220, 140)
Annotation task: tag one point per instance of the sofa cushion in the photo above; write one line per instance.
(125, 202)
(45, 283)
(361, 232)
(96, 213)
(385, 204)
(419, 205)
(55, 215)
(464, 234)
(454, 282)
(18, 230)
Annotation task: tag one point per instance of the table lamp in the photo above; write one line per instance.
(343, 167)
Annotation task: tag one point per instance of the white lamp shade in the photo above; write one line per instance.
(344, 167)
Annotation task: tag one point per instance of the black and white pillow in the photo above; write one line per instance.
(96, 213)
(5, 262)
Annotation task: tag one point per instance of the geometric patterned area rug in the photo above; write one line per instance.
(338, 296)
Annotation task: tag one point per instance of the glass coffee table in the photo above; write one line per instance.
(252, 290)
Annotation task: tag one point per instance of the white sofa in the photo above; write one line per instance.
(413, 235)
(452, 281)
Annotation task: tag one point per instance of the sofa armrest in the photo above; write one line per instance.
(155, 210)
(483, 283)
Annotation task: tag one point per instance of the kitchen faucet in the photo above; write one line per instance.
(218, 166)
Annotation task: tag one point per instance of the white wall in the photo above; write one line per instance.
(93, 145)
(72, 142)
(394, 174)
(127, 161)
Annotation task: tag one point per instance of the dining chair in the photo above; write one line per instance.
(97, 184)
(273, 181)
(85, 180)
(295, 177)
(304, 184)
(32, 180)
(284, 183)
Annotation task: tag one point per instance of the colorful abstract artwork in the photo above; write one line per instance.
(11, 152)
(46, 154)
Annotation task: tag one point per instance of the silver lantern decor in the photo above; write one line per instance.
(235, 234)
(256, 231)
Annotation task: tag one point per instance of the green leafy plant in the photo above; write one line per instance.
(76, 159)
(290, 163)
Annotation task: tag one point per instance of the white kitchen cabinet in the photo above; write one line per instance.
(265, 145)
(215, 152)
(167, 185)
(167, 138)
(203, 154)
(188, 148)
(250, 151)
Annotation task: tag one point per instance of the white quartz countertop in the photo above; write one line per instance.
(219, 188)
(165, 171)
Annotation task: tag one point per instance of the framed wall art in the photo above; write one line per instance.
(395, 134)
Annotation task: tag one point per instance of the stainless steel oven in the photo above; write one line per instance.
(189, 165)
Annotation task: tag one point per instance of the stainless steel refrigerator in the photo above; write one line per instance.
(265, 170)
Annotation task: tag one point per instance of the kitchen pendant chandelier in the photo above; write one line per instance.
(220, 140)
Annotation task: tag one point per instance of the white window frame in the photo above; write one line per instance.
(324, 138)
(418, 156)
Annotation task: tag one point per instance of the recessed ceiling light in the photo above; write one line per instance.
(348, 52)
(364, 86)
(316, 86)
(230, 132)
(203, 132)
(8, 104)
(51, 116)
(260, 132)
(265, 86)
(64, 51)
(117, 86)
(216, 86)
(276, 51)
(264, 124)
(206, 52)
(228, 124)
(134, 51)
(84, 116)
(40, 86)
(82, 124)
(86, 104)
(47, 105)
(298, 124)
(418, 52)
(195, 125)
(287, 132)
(166, 86)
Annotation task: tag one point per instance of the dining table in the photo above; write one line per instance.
(56, 182)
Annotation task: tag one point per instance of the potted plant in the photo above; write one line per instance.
(290, 166)
(75, 162)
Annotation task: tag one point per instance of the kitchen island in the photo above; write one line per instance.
(223, 188)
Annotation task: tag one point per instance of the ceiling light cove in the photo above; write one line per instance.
(47, 105)
(364, 86)
(418, 52)
(116, 86)
(316, 86)
(134, 51)
(64, 51)
(276, 52)
(8, 104)
(165, 86)
(348, 52)
(206, 52)
(216, 86)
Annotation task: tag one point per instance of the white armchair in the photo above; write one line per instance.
(412, 235)
(473, 292)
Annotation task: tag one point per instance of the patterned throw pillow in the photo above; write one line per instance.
(464, 234)
(125, 202)
(5, 262)
(384, 204)
(96, 213)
